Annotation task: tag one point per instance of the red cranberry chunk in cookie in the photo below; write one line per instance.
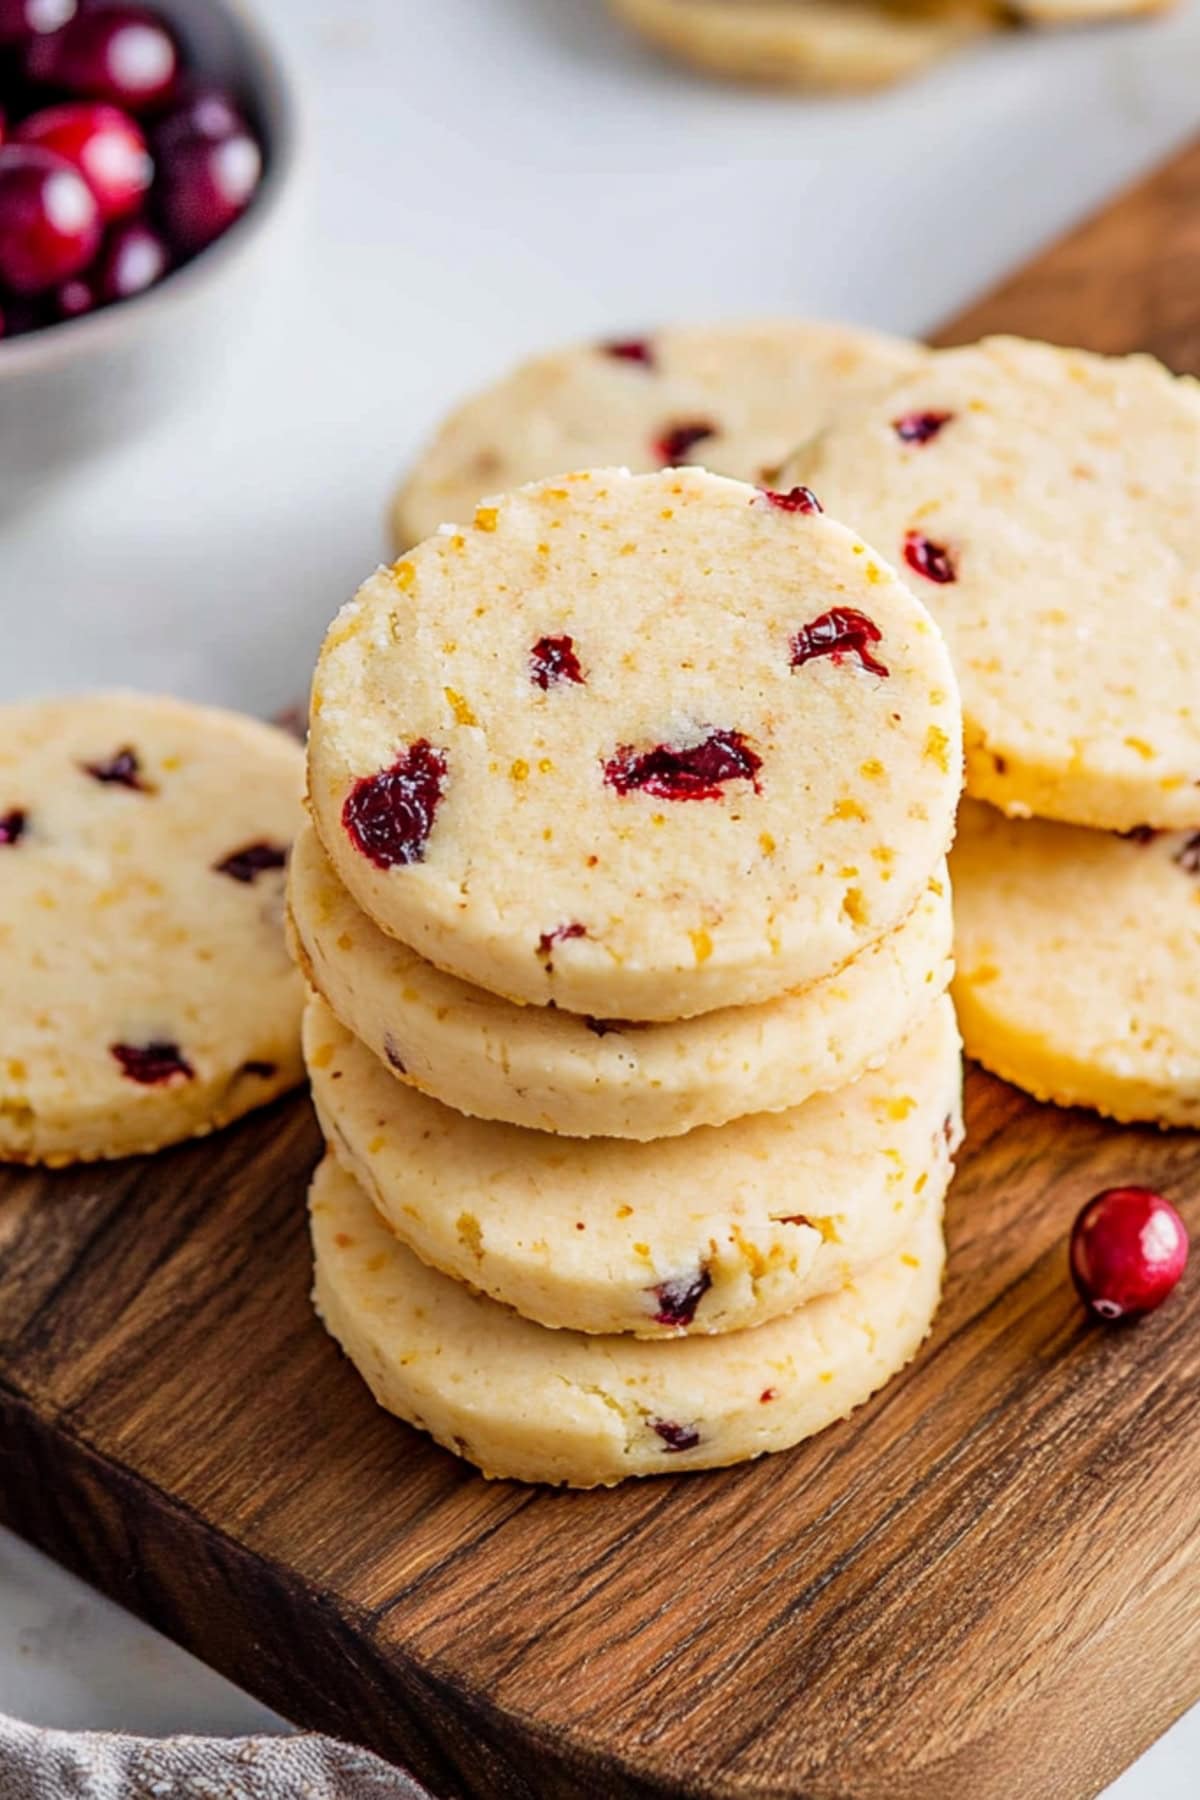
(122, 769)
(679, 1299)
(553, 660)
(677, 441)
(153, 1064)
(692, 772)
(932, 560)
(842, 632)
(251, 861)
(920, 427)
(389, 816)
(13, 825)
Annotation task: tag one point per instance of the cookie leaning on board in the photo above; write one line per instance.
(1043, 504)
(147, 992)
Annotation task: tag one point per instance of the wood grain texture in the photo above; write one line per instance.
(986, 1586)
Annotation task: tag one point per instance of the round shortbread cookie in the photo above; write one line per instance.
(1079, 963)
(1075, 12)
(736, 398)
(643, 746)
(583, 1077)
(1044, 502)
(148, 993)
(532, 1405)
(711, 1232)
(836, 44)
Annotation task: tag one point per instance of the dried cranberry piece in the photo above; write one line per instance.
(1140, 834)
(675, 1437)
(632, 350)
(841, 632)
(389, 816)
(677, 440)
(931, 560)
(122, 769)
(552, 660)
(602, 1027)
(796, 500)
(678, 1299)
(559, 935)
(251, 860)
(12, 826)
(1187, 856)
(695, 772)
(920, 427)
(152, 1064)
(393, 1055)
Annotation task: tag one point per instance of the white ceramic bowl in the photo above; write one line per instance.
(73, 389)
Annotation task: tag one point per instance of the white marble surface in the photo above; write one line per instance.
(482, 177)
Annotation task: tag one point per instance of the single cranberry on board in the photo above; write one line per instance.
(49, 219)
(1129, 1247)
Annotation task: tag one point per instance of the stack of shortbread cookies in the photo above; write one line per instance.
(1045, 503)
(625, 910)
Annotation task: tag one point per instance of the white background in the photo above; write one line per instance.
(483, 177)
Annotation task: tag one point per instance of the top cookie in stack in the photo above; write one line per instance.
(637, 746)
(1044, 502)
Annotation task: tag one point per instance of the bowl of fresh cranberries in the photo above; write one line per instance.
(143, 151)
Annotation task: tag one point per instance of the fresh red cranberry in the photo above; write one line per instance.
(931, 560)
(205, 112)
(678, 1300)
(251, 861)
(49, 220)
(21, 20)
(125, 54)
(389, 816)
(150, 1065)
(1129, 1247)
(560, 935)
(103, 143)
(677, 440)
(796, 500)
(1188, 855)
(696, 772)
(552, 660)
(12, 826)
(121, 769)
(76, 297)
(134, 257)
(675, 1437)
(204, 186)
(842, 632)
(632, 350)
(920, 427)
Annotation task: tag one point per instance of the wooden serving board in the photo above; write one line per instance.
(986, 1586)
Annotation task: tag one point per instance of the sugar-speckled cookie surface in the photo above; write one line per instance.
(584, 1077)
(147, 989)
(1079, 963)
(641, 745)
(1044, 503)
(555, 1406)
(808, 43)
(711, 1232)
(735, 398)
